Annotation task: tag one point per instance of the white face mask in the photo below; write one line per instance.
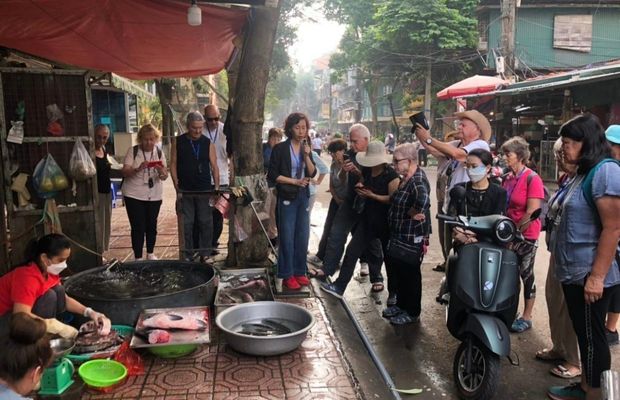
(477, 174)
(56, 269)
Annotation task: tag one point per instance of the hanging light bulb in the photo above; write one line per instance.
(194, 14)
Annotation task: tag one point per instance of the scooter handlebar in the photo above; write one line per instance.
(447, 218)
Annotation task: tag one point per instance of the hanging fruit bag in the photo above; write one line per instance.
(81, 166)
(48, 179)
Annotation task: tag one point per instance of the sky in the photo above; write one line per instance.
(315, 37)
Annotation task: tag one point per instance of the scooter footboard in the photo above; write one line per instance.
(490, 330)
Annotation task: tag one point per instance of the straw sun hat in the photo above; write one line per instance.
(478, 119)
(375, 155)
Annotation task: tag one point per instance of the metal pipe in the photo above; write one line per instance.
(371, 351)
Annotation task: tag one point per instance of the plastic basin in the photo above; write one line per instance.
(173, 350)
(102, 373)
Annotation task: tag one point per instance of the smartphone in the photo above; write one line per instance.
(419, 118)
(152, 164)
(346, 157)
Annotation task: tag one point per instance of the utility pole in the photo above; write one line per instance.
(509, 11)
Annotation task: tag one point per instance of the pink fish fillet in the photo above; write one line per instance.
(174, 321)
(159, 336)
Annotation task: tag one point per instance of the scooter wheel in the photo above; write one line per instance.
(480, 382)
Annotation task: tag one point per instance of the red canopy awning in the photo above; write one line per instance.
(472, 85)
(138, 39)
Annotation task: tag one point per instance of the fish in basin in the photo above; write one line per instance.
(174, 321)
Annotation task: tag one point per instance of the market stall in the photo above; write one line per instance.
(45, 113)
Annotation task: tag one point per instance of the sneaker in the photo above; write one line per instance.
(302, 280)
(570, 392)
(612, 337)
(392, 300)
(315, 260)
(403, 319)
(391, 312)
(331, 289)
(364, 269)
(151, 256)
(521, 325)
(290, 283)
(138, 259)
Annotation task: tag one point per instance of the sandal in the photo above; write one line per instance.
(562, 372)
(403, 319)
(377, 287)
(317, 273)
(439, 268)
(521, 325)
(548, 355)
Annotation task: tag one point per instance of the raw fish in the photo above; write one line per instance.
(159, 336)
(174, 321)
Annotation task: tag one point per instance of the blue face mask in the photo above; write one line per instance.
(477, 174)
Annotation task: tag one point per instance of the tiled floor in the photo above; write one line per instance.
(316, 370)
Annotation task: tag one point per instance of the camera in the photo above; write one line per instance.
(419, 118)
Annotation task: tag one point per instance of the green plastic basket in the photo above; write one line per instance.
(102, 373)
(123, 330)
(173, 350)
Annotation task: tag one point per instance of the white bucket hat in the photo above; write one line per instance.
(375, 155)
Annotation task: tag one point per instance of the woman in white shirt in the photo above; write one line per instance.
(144, 170)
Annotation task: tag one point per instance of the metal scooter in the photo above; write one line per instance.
(483, 284)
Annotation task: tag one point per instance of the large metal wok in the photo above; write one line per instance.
(121, 295)
(232, 320)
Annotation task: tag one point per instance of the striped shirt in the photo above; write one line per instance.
(413, 194)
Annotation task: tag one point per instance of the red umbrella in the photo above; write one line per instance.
(472, 85)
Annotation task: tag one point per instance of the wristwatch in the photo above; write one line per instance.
(429, 140)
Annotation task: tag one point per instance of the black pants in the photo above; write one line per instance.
(589, 325)
(327, 227)
(218, 226)
(50, 305)
(408, 281)
(362, 241)
(143, 220)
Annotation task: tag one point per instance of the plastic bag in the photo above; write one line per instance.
(48, 179)
(54, 118)
(81, 166)
(130, 359)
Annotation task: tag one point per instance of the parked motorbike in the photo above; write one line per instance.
(483, 284)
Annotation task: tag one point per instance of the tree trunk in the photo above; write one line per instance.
(248, 104)
(164, 92)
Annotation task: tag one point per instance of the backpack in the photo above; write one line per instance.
(544, 206)
(586, 188)
(135, 153)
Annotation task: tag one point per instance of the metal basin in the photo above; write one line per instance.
(122, 293)
(296, 318)
(61, 347)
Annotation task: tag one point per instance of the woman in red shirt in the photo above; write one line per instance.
(35, 288)
(525, 191)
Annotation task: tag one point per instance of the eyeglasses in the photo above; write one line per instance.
(396, 160)
(211, 119)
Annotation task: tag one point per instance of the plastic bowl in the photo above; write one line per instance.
(102, 373)
(173, 350)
